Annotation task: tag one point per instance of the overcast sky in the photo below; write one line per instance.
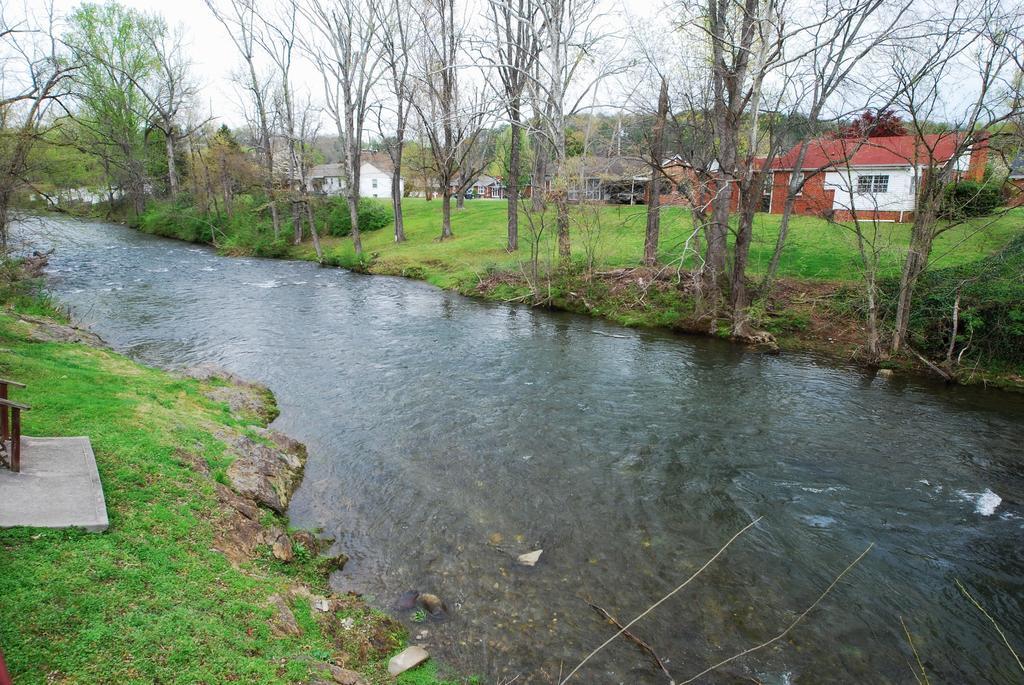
(215, 56)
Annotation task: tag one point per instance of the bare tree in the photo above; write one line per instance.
(513, 46)
(657, 157)
(452, 115)
(570, 33)
(844, 37)
(397, 37)
(347, 57)
(171, 93)
(239, 19)
(986, 39)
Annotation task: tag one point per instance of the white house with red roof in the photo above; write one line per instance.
(875, 178)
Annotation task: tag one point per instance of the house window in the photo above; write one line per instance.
(373, 183)
(873, 184)
(803, 183)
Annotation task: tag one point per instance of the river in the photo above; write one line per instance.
(446, 436)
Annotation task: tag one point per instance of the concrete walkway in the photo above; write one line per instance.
(58, 487)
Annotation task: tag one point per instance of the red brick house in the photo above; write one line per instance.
(877, 178)
(874, 178)
(1015, 182)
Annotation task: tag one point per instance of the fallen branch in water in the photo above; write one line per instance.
(949, 378)
(788, 628)
(662, 600)
(644, 647)
(924, 673)
(991, 620)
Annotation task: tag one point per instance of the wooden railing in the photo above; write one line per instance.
(10, 424)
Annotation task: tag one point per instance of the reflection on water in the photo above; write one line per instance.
(448, 436)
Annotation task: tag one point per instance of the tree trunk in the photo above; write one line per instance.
(512, 182)
(562, 225)
(460, 199)
(446, 213)
(718, 230)
(913, 267)
(274, 216)
(738, 296)
(353, 217)
(313, 232)
(172, 171)
(538, 189)
(396, 198)
(654, 191)
(296, 222)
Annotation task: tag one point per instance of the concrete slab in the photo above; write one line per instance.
(58, 487)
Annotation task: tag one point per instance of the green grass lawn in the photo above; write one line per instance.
(614, 235)
(149, 600)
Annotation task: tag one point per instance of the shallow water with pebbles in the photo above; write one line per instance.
(448, 436)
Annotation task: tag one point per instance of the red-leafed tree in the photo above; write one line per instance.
(873, 125)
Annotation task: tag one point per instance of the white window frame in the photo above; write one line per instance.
(872, 184)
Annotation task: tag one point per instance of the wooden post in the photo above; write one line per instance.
(3, 413)
(16, 440)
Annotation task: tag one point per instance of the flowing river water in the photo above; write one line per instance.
(446, 436)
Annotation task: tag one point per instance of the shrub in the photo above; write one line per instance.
(373, 215)
(176, 220)
(991, 315)
(965, 199)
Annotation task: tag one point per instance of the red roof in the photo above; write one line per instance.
(935, 148)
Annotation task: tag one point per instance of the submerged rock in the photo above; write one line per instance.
(406, 659)
(407, 601)
(433, 604)
(530, 558)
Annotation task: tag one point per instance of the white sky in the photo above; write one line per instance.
(215, 57)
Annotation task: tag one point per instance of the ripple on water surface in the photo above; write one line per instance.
(447, 437)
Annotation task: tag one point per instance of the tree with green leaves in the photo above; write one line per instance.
(109, 41)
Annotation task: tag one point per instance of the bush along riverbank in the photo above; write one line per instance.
(817, 304)
(199, 578)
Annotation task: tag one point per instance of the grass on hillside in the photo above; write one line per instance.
(149, 600)
(614, 235)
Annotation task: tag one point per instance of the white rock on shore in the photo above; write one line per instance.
(409, 657)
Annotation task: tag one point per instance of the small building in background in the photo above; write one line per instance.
(375, 177)
(875, 178)
(1015, 182)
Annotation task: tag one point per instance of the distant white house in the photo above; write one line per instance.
(374, 177)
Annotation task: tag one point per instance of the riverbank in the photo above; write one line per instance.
(816, 305)
(199, 578)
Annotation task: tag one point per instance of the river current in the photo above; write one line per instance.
(447, 436)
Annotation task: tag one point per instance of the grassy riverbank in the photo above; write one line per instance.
(817, 305)
(152, 600)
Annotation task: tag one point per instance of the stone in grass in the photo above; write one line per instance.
(282, 548)
(410, 657)
(530, 558)
(283, 624)
(340, 675)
